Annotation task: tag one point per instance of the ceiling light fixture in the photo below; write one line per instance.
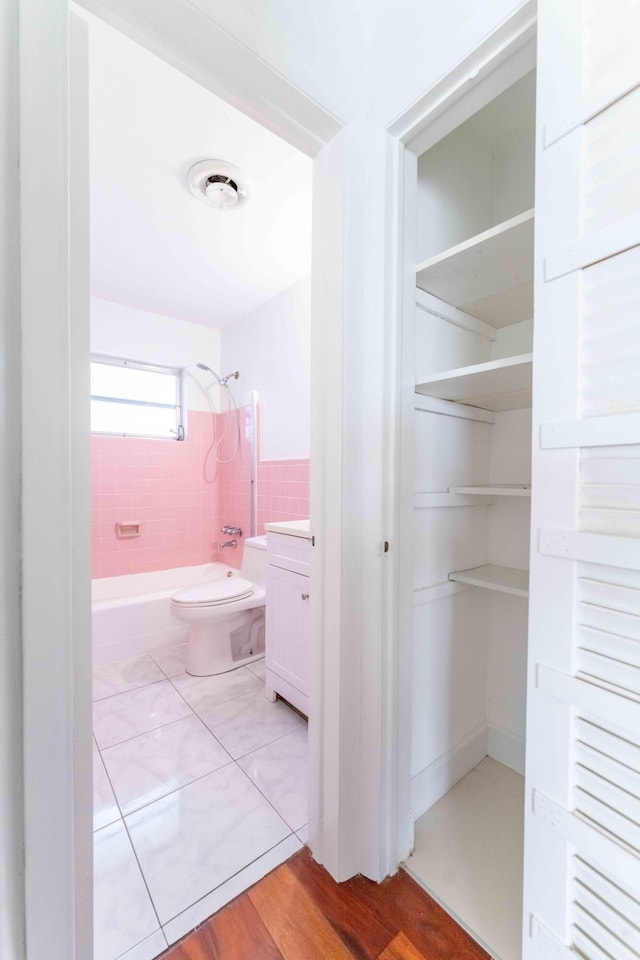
(219, 184)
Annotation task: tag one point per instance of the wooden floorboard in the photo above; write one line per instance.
(298, 912)
(296, 923)
(234, 933)
(352, 908)
(401, 948)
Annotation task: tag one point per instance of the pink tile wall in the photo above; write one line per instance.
(283, 491)
(160, 484)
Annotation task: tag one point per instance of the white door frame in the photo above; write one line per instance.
(498, 61)
(350, 797)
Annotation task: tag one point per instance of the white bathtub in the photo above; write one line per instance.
(131, 615)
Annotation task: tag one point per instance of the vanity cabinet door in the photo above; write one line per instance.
(287, 626)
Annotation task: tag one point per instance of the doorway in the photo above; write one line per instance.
(200, 783)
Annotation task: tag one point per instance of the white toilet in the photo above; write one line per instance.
(226, 616)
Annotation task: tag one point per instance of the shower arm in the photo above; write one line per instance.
(221, 381)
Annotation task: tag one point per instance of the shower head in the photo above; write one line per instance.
(203, 366)
(221, 381)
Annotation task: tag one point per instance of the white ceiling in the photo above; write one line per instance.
(153, 245)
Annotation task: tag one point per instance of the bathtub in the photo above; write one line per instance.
(131, 615)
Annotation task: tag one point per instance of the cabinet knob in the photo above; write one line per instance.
(305, 596)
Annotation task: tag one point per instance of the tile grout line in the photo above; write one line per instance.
(247, 695)
(123, 817)
(126, 826)
(213, 890)
(228, 700)
(144, 879)
(161, 668)
(231, 760)
(235, 760)
(144, 732)
(276, 811)
(194, 779)
(140, 686)
(269, 742)
(140, 942)
(169, 793)
(196, 714)
(135, 854)
(106, 773)
(161, 727)
(268, 850)
(293, 829)
(249, 665)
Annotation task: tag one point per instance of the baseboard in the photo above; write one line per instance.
(507, 748)
(438, 778)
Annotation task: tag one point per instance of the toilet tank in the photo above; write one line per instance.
(254, 560)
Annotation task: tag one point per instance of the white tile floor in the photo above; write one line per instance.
(468, 855)
(199, 790)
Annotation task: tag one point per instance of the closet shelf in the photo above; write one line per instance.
(491, 577)
(496, 385)
(489, 276)
(494, 490)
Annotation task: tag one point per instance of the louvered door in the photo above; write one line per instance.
(582, 844)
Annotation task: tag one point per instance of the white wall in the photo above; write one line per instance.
(271, 349)
(11, 790)
(419, 42)
(480, 174)
(455, 199)
(121, 331)
(311, 43)
(449, 676)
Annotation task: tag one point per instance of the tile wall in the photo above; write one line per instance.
(160, 484)
(283, 491)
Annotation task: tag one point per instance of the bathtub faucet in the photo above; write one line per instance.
(229, 543)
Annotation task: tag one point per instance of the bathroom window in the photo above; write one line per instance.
(130, 399)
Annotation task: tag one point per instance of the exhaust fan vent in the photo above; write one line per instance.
(218, 184)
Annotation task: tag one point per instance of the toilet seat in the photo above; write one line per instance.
(213, 593)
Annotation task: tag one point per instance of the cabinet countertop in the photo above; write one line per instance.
(292, 528)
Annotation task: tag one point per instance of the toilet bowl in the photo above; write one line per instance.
(226, 616)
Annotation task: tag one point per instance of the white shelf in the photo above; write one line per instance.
(496, 385)
(491, 577)
(489, 276)
(494, 490)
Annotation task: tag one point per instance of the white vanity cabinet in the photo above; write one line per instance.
(287, 616)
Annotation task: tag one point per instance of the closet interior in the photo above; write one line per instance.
(473, 368)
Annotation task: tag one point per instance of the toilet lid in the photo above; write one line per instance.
(214, 591)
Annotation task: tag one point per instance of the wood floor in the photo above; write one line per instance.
(299, 913)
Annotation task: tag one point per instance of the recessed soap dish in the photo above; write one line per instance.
(124, 531)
